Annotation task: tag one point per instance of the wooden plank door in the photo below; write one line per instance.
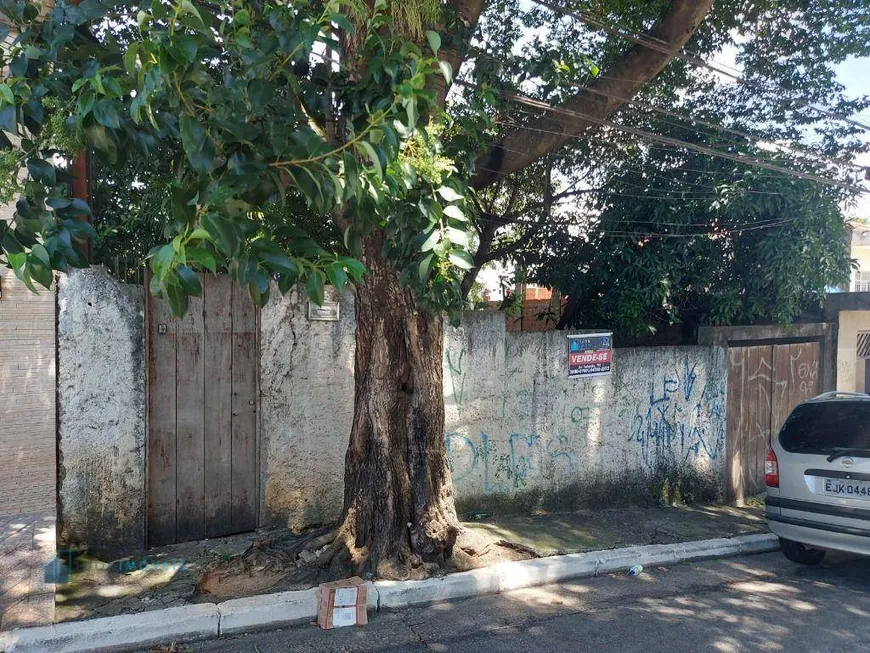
(765, 382)
(202, 415)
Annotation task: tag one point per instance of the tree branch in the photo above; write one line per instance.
(640, 64)
(454, 50)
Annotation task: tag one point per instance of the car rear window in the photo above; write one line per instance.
(820, 428)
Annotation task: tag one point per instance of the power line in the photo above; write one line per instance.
(668, 140)
(679, 169)
(743, 134)
(691, 58)
(713, 191)
(724, 230)
(746, 135)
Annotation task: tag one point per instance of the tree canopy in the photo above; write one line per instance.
(244, 104)
(639, 232)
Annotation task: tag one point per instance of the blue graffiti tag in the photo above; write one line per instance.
(675, 427)
(527, 457)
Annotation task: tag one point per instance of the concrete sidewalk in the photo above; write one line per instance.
(102, 590)
(750, 603)
(27, 545)
(209, 620)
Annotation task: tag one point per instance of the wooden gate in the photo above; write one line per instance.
(202, 415)
(764, 383)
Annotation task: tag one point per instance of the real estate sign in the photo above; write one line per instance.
(590, 354)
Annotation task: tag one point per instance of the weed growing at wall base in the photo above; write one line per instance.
(664, 485)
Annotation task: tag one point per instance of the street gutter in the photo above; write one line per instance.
(210, 620)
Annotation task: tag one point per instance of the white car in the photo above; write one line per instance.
(818, 478)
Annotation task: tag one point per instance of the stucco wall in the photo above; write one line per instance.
(849, 324)
(306, 385)
(514, 421)
(101, 395)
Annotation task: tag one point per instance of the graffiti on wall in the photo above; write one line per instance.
(457, 376)
(539, 429)
(509, 464)
(681, 419)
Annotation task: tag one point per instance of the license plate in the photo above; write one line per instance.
(844, 488)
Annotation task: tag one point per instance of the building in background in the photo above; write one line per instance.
(860, 248)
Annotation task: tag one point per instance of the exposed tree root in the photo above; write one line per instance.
(277, 564)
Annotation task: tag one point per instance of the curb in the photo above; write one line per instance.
(209, 620)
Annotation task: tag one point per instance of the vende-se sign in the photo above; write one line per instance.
(590, 354)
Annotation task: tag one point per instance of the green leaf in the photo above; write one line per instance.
(260, 93)
(191, 10)
(199, 234)
(423, 268)
(161, 259)
(434, 40)
(461, 259)
(6, 94)
(446, 70)
(106, 114)
(241, 18)
(188, 47)
(223, 233)
(202, 256)
(342, 21)
(459, 237)
(9, 119)
(42, 171)
(337, 276)
(280, 262)
(259, 294)
(189, 281)
(197, 145)
(314, 287)
(373, 155)
(431, 241)
(177, 300)
(23, 275)
(40, 273)
(286, 282)
(42, 254)
(130, 57)
(355, 269)
(455, 212)
(103, 142)
(449, 194)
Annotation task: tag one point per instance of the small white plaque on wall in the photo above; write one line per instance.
(327, 313)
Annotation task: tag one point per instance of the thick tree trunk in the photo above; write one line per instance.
(399, 518)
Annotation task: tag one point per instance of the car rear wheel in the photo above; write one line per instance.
(797, 552)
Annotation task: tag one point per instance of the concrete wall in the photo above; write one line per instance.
(101, 395)
(306, 385)
(514, 420)
(27, 396)
(849, 324)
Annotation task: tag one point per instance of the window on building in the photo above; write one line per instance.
(862, 282)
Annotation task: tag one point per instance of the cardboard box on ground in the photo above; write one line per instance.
(342, 603)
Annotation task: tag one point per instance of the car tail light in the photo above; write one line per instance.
(771, 469)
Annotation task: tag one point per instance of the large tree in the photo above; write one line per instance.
(255, 105)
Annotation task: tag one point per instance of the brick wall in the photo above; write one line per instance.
(27, 398)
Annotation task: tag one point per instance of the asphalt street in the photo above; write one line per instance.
(753, 603)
